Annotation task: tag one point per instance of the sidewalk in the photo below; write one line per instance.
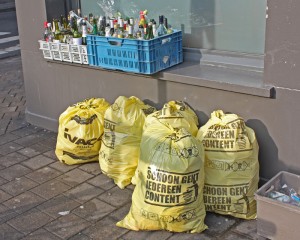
(40, 198)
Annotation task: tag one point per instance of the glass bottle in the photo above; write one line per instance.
(154, 29)
(141, 29)
(57, 35)
(121, 28)
(46, 31)
(84, 32)
(50, 33)
(169, 29)
(130, 32)
(161, 29)
(95, 29)
(111, 24)
(116, 31)
(107, 30)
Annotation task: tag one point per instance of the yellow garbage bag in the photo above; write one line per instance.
(123, 126)
(80, 130)
(185, 110)
(231, 165)
(177, 114)
(168, 194)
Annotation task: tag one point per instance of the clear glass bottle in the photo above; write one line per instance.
(154, 29)
(161, 29)
(84, 32)
(121, 32)
(130, 32)
(107, 30)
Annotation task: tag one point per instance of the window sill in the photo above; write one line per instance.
(220, 77)
(223, 77)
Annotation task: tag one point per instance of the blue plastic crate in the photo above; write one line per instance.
(132, 55)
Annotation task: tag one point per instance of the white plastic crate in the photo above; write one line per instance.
(76, 58)
(56, 55)
(84, 59)
(64, 52)
(64, 47)
(44, 45)
(66, 56)
(47, 54)
(54, 46)
(74, 48)
(83, 49)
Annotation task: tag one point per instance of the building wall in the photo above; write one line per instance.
(52, 87)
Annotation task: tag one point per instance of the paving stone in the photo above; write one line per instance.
(30, 221)
(57, 205)
(92, 168)
(234, 236)
(7, 109)
(50, 142)
(15, 171)
(2, 181)
(4, 196)
(23, 202)
(105, 229)
(17, 123)
(8, 137)
(10, 115)
(102, 181)
(27, 130)
(75, 177)
(218, 224)
(80, 236)
(67, 226)
(38, 162)
(43, 175)
(11, 159)
(4, 104)
(6, 214)
(9, 233)
(62, 167)
(50, 189)
(3, 124)
(18, 186)
(93, 210)
(9, 148)
(84, 192)
(41, 234)
(191, 236)
(51, 154)
(40, 148)
(130, 187)
(119, 214)
(149, 235)
(116, 196)
(31, 139)
(248, 228)
(29, 152)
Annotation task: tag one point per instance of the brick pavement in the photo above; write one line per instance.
(40, 198)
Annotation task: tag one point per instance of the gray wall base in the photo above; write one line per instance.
(41, 121)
